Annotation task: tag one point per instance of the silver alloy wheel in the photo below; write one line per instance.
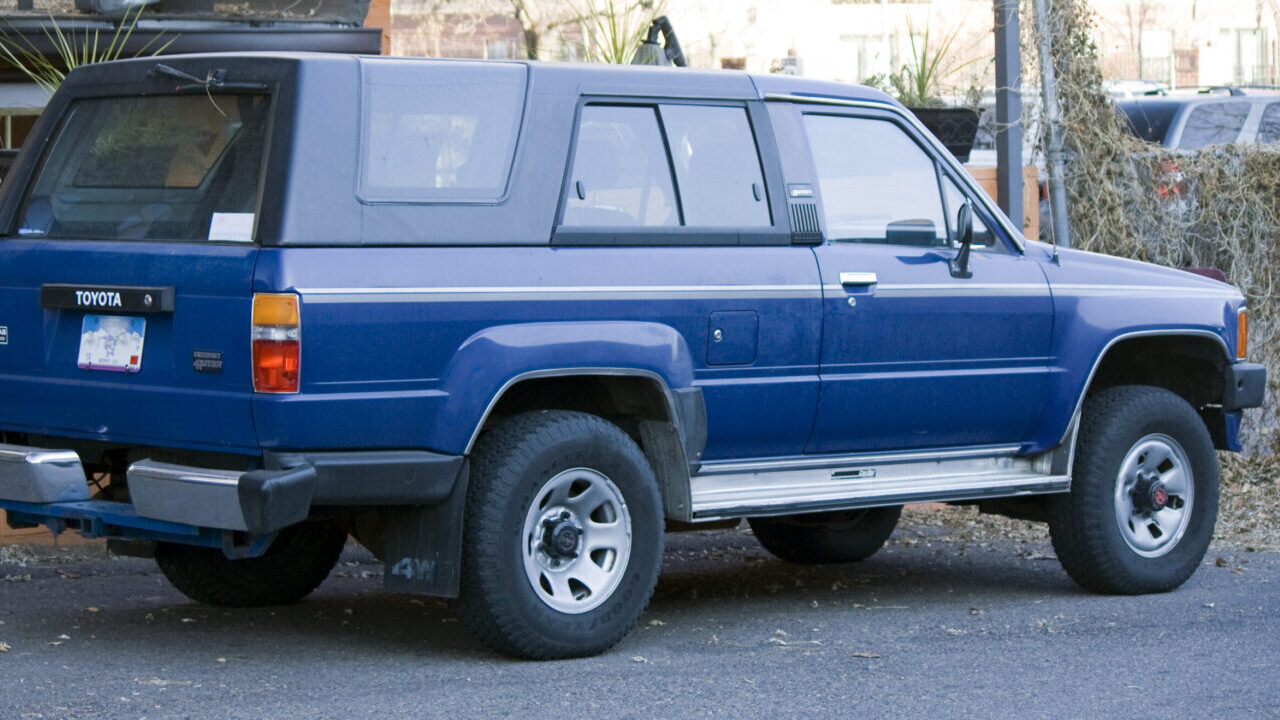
(1151, 523)
(577, 540)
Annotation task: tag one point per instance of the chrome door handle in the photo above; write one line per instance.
(858, 279)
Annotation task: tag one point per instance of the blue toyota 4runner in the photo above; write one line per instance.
(507, 322)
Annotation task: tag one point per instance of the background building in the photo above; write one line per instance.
(1176, 43)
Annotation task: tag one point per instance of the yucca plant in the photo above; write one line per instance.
(918, 82)
(73, 49)
(613, 30)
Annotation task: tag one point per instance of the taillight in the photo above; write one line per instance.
(1172, 183)
(277, 342)
(1242, 334)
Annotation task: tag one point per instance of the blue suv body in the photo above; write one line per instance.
(504, 322)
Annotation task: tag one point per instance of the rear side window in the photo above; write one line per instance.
(439, 133)
(170, 167)
(717, 168)
(620, 174)
(1213, 123)
(667, 165)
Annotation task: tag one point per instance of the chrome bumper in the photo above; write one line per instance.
(257, 501)
(192, 496)
(38, 475)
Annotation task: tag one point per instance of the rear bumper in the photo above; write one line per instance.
(35, 475)
(42, 484)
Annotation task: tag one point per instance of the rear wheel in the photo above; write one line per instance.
(297, 562)
(563, 536)
(830, 537)
(1144, 493)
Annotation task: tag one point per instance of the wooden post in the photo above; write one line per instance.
(379, 16)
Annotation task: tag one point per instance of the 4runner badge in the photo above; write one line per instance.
(4, 334)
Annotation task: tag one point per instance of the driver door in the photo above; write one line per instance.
(913, 356)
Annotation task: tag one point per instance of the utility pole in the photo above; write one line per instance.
(1008, 111)
(1052, 114)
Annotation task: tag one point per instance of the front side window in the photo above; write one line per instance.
(877, 184)
(168, 167)
(439, 133)
(1213, 123)
(620, 174)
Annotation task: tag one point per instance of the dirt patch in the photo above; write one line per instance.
(1247, 514)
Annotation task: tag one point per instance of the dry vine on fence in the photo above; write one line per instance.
(1214, 207)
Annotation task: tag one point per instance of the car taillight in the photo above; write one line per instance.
(1172, 184)
(1242, 334)
(277, 342)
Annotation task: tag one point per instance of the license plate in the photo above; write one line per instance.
(111, 342)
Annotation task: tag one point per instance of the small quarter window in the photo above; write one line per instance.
(877, 184)
(620, 173)
(437, 132)
(955, 198)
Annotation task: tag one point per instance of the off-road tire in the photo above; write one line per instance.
(512, 467)
(1086, 524)
(831, 537)
(296, 563)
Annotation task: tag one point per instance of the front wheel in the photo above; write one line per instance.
(1144, 493)
(563, 536)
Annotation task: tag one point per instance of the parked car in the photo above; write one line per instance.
(506, 322)
(1189, 122)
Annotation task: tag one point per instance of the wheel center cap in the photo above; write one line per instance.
(1151, 495)
(560, 538)
(1159, 496)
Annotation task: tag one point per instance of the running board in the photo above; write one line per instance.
(786, 487)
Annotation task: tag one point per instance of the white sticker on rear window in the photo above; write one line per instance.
(236, 227)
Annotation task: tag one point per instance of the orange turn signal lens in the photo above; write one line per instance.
(280, 309)
(277, 343)
(1242, 334)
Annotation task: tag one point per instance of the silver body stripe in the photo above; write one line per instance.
(677, 292)
(583, 292)
(1031, 289)
(1164, 290)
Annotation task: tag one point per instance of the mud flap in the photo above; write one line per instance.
(424, 545)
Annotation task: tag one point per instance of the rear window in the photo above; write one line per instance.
(439, 133)
(170, 167)
(1149, 121)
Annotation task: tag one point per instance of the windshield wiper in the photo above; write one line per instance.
(215, 79)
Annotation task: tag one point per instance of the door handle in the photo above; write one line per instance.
(858, 279)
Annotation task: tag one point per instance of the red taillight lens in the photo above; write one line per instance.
(275, 366)
(277, 346)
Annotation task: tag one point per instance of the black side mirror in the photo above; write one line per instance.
(964, 223)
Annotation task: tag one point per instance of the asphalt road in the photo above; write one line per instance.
(925, 629)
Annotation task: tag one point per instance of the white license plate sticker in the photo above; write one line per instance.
(111, 342)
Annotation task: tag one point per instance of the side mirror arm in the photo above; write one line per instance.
(960, 263)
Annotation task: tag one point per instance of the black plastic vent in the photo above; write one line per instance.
(804, 222)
